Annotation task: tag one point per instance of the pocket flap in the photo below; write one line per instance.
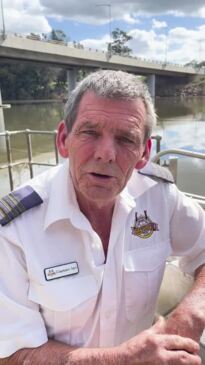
(63, 294)
(146, 260)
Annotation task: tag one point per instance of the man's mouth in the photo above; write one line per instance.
(102, 176)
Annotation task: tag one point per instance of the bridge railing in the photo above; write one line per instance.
(29, 162)
(79, 45)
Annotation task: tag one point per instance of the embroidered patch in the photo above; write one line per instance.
(56, 272)
(18, 202)
(143, 226)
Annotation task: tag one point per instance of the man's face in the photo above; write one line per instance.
(104, 145)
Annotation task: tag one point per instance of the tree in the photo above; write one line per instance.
(29, 81)
(58, 35)
(120, 38)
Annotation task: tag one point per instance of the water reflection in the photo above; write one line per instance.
(183, 134)
(181, 124)
(171, 108)
(35, 117)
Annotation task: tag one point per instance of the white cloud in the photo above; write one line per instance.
(76, 9)
(156, 24)
(147, 44)
(202, 12)
(179, 45)
(99, 44)
(129, 19)
(33, 13)
(25, 16)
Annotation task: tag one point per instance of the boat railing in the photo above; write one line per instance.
(29, 162)
(176, 151)
(172, 165)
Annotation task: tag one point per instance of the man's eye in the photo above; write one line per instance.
(126, 140)
(89, 132)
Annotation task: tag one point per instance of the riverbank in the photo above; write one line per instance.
(194, 88)
(182, 88)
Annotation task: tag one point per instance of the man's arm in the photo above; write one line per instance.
(149, 347)
(188, 319)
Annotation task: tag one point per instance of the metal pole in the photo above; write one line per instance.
(56, 150)
(9, 159)
(29, 149)
(2, 124)
(3, 23)
(166, 47)
(110, 19)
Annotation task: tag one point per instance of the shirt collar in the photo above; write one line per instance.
(61, 201)
(138, 183)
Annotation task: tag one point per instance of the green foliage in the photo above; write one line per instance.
(202, 64)
(118, 45)
(58, 35)
(196, 64)
(27, 81)
(34, 81)
(82, 73)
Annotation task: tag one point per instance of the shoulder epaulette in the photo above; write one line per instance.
(18, 202)
(157, 172)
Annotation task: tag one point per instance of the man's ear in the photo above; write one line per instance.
(61, 137)
(146, 154)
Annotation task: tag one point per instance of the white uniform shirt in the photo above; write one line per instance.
(103, 304)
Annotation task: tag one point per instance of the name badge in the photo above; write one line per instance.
(60, 271)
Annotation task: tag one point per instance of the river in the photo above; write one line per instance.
(181, 123)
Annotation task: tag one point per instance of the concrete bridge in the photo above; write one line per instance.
(31, 49)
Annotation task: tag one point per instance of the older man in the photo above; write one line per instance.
(84, 245)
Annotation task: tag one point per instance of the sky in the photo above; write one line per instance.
(164, 30)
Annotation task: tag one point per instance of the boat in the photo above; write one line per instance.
(176, 284)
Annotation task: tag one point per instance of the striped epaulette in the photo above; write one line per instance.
(18, 202)
(157, 172)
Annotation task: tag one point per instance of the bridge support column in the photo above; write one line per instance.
(151, 85)
(71, 78)
(2, 126)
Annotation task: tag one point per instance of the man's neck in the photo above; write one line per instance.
(100, 218)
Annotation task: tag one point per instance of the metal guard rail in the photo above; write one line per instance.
(29, 162)
(199, 198)
(176, 151)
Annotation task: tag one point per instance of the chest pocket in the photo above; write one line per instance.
(63, 299)
(143, 272)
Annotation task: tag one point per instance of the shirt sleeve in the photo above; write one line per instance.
(21, 324)
(187, 231)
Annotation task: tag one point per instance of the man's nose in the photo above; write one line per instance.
(105, 150)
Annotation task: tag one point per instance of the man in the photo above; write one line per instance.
(82, 264)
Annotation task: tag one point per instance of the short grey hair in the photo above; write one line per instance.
(111, 84)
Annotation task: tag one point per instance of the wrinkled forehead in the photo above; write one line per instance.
(91, 103)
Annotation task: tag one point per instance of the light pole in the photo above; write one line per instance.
(3, 23)
(200, 48)
(166, 47)
(110, 19)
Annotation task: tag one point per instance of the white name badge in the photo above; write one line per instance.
(60, 271)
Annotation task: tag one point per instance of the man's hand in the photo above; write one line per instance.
(152, 347)
(188, 319)
(186, 323)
